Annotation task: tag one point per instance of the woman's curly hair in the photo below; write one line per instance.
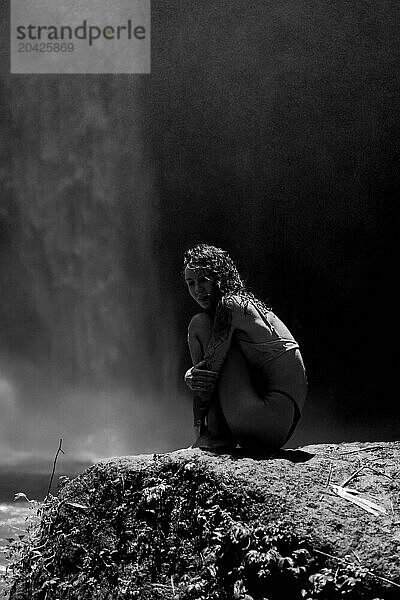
(218, 265)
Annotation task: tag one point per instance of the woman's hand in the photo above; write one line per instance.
(199, 379)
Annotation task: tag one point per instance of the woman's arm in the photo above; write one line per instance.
(225, 323)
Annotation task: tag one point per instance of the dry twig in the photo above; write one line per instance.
(346, 481)
(367, 449)
(378, 472)
(54, 465)
(328, 480)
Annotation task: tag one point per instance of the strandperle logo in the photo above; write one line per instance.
(80, 36)
(87, 32)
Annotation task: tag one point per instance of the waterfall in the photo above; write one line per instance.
(81, 302)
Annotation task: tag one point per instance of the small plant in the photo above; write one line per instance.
(18, 543)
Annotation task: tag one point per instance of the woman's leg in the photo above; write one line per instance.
(256, 421)
(199, 333)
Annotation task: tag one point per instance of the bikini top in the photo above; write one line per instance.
(278, 340)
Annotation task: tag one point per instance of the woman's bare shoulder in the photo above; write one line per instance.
(241, 307)
(232, 302)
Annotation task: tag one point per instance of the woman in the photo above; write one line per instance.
(248, 375)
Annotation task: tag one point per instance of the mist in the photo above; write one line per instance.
(89, 344)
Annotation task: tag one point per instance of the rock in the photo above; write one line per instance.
(201, 526)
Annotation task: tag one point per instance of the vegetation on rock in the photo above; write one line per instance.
(174, 529)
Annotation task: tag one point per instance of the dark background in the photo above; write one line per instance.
(269, 129)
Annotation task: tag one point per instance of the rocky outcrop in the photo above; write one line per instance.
(319, 522)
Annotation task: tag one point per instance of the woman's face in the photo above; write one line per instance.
(201, 287)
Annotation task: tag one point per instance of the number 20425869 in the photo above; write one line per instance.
(45, 47)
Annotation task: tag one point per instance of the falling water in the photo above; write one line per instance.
(88, 342)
